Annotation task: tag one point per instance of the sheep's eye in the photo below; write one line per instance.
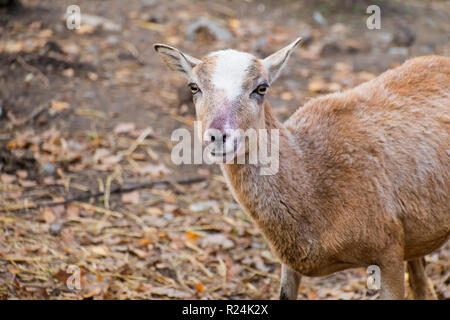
(261, 89)
(194, 88)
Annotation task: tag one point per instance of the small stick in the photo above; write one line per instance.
(87, 195)
(130, 188)
(32, 69)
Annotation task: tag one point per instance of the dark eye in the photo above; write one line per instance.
(194, 88)
(261, 89)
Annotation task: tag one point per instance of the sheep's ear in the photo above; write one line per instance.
(175, 59)
(276, 62)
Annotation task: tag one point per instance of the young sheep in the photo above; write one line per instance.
(364, 174)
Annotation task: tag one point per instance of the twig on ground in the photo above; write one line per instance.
(32, 69)
(33, 115)
(123, 189)
(88, 195)
(136, 143)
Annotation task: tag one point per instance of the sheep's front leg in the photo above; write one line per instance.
(392, 278)
(289, 283)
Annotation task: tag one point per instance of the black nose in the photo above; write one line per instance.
(219, 136)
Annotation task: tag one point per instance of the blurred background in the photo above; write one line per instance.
(86, 117)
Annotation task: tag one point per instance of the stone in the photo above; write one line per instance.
(48, 168)
(55, 229)
(217, 31)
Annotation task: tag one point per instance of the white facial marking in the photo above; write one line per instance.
(230, 71)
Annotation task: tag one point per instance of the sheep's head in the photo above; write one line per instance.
(228, 89)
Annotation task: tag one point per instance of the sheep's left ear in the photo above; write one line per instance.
(175, 59)
(276, 62)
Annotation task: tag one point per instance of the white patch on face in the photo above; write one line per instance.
(230, 71)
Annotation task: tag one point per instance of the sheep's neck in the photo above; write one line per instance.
(273, 201)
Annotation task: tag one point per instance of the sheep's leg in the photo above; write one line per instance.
(418, 280)
(392, 279)
(290, 281)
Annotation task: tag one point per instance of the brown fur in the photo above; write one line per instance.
(364, 176)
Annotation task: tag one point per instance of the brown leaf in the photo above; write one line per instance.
(101, 153)
(48, 215)
(124, 127)
(85, 29)
(110, 160)
(93, 292)
(199, 287)
(154, 170)
(92, 76)
(62, 276)
(144, 241)
(317, 85)
(7, 178)
(312, 294)
(27, 183)
(100, 250)
(138, 156)
(140, 253)
(153, 211)
(286, 96)
(22, 174)
(192, 236)
(59, 105)
(170, 292)
(73, 211)
(68, 72)
(168, 207)
(144, 287)
(131, 197)
(46, 33)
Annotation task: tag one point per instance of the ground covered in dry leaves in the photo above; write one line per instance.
(91, 111)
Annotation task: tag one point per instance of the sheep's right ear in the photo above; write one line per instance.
(276, 62)
(175, 59)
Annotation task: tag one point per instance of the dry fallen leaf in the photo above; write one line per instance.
(92, 76)
(144, 241)
(140, 253)
(22, 174)
(199, 287)
(28, 183)
(110, 160)
(286, 95)
(153, 210)
(131, 197)
(46, 33)
(48, 216)
(100, 250)
(124, 127)
(192, 236)
(317, 85)
(62, 276)
(7, 178)
(85, 29)
(69, 72)
(59, 105)
(170, 292)
(101, 153)
(73, 211)
(154, 170)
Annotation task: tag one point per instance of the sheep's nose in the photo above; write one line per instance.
(216, 136)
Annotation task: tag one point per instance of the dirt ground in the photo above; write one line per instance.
(90, 110)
